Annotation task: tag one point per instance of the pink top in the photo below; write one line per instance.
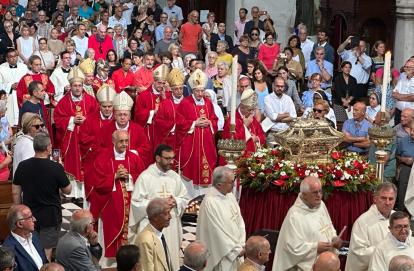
(268, 54)
(211, 71)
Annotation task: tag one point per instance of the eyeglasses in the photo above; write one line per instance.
(168, 158)
(317, 110)
(37, 126)
(255, 34)
(400, 227)
(27, 218)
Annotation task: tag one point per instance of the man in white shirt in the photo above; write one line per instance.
(81, 41)
(305, 44)
(173, 10)
(361, 63)
(29, 254)
(397, 242)
(59, 77)
(117, 19)
(159, 180)
(279, 108)
(371, 228)
(404, 91)
(10, 74)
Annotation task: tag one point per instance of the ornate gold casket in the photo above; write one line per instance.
(309, 140)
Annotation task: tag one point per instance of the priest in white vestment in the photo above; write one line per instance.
(59, 76)
(306, 231)
(397, 242)
(159, 181)
(10, 74)
(220, 224)
(371, 228)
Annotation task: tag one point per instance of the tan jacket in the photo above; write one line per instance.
(247, 266)
(151, 250)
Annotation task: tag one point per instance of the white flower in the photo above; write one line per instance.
(282, 173)
(347, 163)
(307, 172)
(347, 176)
(261, 174)
(361, 177)
(314, 174)
(262, 167)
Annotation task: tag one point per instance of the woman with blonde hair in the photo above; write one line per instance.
(222, 86)
(75, 57)
(177, 61)
(119, 40)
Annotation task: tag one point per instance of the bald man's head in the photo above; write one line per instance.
(401, 263)
(327, 261)
(81, 222)
(258, 249)
(195, 255)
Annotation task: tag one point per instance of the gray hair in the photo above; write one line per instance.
(195, 255)
(156, 206)
(6, 257)
(385, 187)
(3, 106)
(320, 48)
(219, 175)
(226, 45)
(254, 245)
(401, 263)
(223, 64)
(81, 224)
(14, 214)
(119, 26)
(305, 184)
(41, 142)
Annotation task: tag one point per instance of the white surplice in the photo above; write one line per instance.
(153, 183)
(221, 227)
(9, 76)
(368, 230)
(301, 231)
(387, 249)
(60, 81)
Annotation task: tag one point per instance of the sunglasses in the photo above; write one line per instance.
(255, 34)
(317, 110)
(37, 126)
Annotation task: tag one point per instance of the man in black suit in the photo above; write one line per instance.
(221, 35)
(195, 257)
(29, 253)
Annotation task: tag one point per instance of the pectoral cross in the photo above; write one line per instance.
(235, 216)
(164, 193)
(326, 230)
(78, 110)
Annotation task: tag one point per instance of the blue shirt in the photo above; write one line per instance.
(314, 68)
(405, 147)
(260, 99)
(159, 32)
(307, 98)
(350, 126)
(86, 14)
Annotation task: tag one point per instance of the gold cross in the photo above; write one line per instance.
(325, 229)
(234, 216)
(164, 193)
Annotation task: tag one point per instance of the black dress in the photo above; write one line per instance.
(341, 90)
(243, 57)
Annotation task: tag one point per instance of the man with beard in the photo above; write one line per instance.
(101, 43)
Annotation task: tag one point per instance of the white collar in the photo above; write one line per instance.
(21, 239)
(256, 265)
(177, 100)
(119, 156)
(323, 44)
(157, 232)
(198, 102)
(103, 117)
(123, 129)
(159, 171)
(155, 91)
(76, 99)
(397, 243)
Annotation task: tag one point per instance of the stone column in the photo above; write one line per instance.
(404, 34)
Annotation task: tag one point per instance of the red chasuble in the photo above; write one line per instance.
(88, 139)
(255, 129)
(143, 78)
(122, 80)
(197, 151)
(138, 141)
(144, 103)
(113, 206)
(24, 82)
(164, 121)
(69, 140)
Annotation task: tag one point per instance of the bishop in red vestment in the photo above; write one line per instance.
(114, 173)
(138, 140)
(148, 103)
(247, 127)
(69, 115)
(89, 134)
(35, 64)
(123, 77)
(197, 151)
(167, 117)
(101, 78)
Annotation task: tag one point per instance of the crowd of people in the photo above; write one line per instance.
(119, 105)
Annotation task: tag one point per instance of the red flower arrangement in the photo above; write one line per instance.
(268, 168)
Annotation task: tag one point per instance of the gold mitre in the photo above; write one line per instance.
(76, 75)
(198, 79)
(101, 64)
(249, 98)
(105, 94)
(175, 78)
(161, 73)
(87, 66)
(123, 101)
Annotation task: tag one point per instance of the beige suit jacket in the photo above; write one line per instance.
(151, 250)
(247, 266)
